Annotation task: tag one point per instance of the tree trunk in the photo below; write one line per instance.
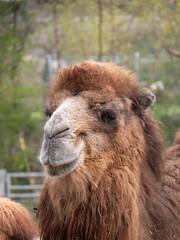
(14, 62)
(111, 13)
(56, 33)
(100, 31)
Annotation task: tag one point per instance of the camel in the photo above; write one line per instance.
(171, 181)
(103, 152)
(16, 222)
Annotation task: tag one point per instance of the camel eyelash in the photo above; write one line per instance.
(77, 93)
(100, 103)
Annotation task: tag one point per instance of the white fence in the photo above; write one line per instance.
(2, 182)
(32, 188)
(11, 190)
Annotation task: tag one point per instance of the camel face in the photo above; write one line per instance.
(95, 112)
(79, 129)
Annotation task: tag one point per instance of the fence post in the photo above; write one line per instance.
(2, 182)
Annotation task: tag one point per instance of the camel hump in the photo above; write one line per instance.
(177, 139)
(171, 182)
(173, 152)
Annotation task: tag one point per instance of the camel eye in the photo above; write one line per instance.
(48, 113)
(108, 116)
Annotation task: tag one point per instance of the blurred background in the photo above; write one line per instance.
(39, 37)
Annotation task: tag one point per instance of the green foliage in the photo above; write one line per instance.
(19, 116)
(18, 111)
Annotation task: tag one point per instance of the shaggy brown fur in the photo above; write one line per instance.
(117, 193)
(171, 182)
(16, 222)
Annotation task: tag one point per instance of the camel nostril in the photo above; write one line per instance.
(60, 133)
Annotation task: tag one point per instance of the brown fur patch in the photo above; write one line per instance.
(16, 222)
(95, 76)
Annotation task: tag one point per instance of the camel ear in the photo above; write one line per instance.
(145, 98)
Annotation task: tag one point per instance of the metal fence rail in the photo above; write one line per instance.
(35, 187)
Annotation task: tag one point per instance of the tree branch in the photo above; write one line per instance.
(173, 52)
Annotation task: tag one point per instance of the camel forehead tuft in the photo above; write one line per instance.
(91, 75)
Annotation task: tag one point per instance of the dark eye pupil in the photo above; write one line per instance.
(108, 116)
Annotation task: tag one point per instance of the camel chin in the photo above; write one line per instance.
(64, 169)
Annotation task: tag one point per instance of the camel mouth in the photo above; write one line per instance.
(61, 156)
(62, 170)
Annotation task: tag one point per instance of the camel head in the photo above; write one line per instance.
(96, 112)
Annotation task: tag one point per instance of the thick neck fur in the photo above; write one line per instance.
(100, 212)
